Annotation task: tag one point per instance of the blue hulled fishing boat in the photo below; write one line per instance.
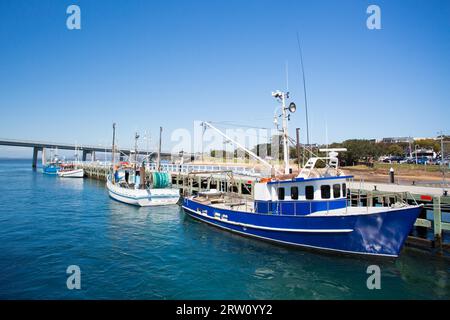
(307, 210)
(53, 166)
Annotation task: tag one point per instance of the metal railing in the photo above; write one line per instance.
(191, 168)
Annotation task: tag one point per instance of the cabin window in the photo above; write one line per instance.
(280, 193)
(344, 190)
(309, 192)
(325, 191)
(336, 190)
(294, 193)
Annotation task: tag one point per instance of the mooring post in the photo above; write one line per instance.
(369, 199)
(391, 175)
(437, 217)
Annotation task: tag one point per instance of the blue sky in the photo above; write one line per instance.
(144, 64)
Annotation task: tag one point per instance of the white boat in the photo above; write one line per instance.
(142, 197)
(69, 170)
(127, 183)
(71, 173)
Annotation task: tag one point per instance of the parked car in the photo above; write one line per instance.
(394, 159)
(444, 162)
(423, 160)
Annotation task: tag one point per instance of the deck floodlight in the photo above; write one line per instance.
(292, 107)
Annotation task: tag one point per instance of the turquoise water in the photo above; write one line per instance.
(125, 252)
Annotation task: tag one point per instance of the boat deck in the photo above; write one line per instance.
(245, 205)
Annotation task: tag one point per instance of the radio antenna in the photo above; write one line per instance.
(304, 90)
(287, 75)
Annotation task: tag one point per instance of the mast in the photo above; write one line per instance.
(147, 143)
(285, 136)
(113, 149)
(158, 164)
(281, 97)
(76, 153)
(304, 90)
(297, 131)
(136, 137)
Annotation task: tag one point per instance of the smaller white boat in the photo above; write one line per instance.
(69, 171)
(128, 183)
(125, 193)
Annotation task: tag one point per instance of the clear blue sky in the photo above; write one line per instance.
(144, 64)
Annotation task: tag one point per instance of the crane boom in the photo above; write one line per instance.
(237, 144)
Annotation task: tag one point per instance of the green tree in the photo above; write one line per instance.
(395, 150)
(429, 144)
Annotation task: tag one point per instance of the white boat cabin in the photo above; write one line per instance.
(311, 191)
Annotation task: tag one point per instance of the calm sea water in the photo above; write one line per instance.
(125, 252)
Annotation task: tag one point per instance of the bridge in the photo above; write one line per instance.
(40, 146)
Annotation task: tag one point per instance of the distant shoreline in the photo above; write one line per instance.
(13, 158)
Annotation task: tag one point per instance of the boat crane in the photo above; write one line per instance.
(281, 97)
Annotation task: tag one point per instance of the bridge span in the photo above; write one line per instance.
(41, 146)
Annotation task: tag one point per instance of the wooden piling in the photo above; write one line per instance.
(437, 220)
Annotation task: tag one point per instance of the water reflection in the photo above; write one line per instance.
(75, 184)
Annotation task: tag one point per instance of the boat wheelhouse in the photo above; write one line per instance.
(311, 191)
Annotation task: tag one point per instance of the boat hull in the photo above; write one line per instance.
(50, 170)
(381, 234)
(143, 198)
(79, 173)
